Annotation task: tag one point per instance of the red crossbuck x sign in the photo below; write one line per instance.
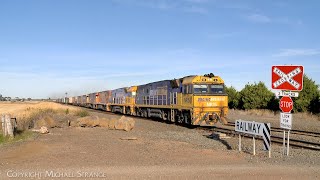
(287, 77)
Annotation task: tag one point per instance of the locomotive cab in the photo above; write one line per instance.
(206, 98)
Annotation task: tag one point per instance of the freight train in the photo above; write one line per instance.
(192, 100)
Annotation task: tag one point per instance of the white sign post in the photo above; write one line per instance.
(255, 129)
(286, 123)
(287, 80)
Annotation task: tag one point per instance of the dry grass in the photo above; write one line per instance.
(37, 114)
(81, 113)
(91, 121)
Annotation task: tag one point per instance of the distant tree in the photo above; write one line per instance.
(255, 96)
(233, 97)
(315, 105)
(308, 99)
(273, 104)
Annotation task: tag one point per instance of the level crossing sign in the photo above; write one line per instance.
(288, 78)
(255, 128)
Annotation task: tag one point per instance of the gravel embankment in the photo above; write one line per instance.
(160, 151)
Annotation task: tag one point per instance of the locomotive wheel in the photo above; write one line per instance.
(187, 119)
(180, 118)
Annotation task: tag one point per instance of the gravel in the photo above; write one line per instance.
(160, 151)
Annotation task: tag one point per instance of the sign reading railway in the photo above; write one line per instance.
(286, 104)
(249, 127)
(255, 128)
(287, 77)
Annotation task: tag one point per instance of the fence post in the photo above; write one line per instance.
(9, 126)
(3, 120)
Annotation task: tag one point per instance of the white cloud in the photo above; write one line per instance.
(297, 52)
(286, 20)
(197, 1)
(193, 6)
(261, 18)
(195, 9)
(258, 18)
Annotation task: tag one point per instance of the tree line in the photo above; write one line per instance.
(13, 99)
(258, 96)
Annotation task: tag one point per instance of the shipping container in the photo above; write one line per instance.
(70, 100)
(102, 97)
(92, 98)
(84, 100)
(79, 100)
(73, 100)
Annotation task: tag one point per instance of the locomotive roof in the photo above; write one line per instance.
(191, 76)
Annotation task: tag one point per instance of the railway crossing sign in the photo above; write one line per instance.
(286, 104)
(287, 80)
(255, 128)
(287, 77)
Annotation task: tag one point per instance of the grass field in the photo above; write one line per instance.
(37, 114)
(23, 135)
(29, 113)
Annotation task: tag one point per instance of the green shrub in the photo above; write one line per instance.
(2, 139)
(82, 113)
(67, 111)
(233, 97)
(308, 99)
(255, 96)
(20, 136)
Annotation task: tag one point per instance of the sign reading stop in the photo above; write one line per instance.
(286, 104)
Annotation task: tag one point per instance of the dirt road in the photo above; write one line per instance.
(161, 151)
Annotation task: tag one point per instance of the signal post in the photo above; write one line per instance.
(288, 80)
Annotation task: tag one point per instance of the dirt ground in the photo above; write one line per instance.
(161, 151)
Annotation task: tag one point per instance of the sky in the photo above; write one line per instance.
(49, 47)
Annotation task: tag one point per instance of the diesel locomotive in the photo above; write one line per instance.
(192, 100)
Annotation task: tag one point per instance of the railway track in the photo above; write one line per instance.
(276, 139)
(298, 132)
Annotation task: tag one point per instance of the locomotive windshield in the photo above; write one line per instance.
(217, 89)
(200, 89)
(208, 89)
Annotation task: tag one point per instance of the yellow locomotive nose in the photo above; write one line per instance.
(209, 109)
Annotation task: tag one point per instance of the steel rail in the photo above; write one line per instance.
(276, 139)
(293, 131)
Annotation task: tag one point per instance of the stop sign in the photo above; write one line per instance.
(286, 104)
